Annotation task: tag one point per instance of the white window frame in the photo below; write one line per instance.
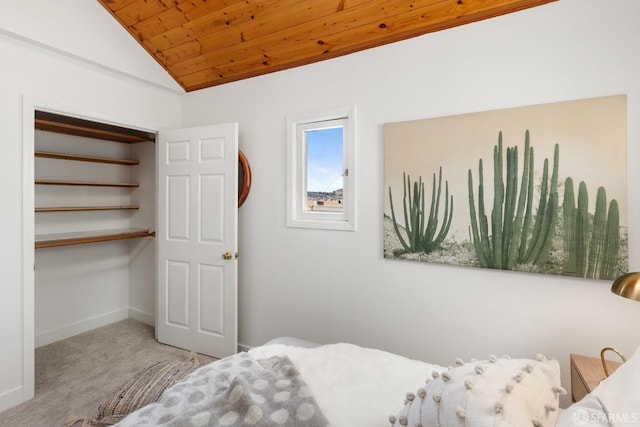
(297, 215)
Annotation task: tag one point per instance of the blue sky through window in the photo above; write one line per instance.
(325, 159)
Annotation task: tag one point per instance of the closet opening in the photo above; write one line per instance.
(94, 219)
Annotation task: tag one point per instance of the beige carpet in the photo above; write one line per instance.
(75, 375)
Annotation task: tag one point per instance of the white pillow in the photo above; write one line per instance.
(499, 392)
(615, 402)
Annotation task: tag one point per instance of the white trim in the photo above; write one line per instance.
(28, 250)
(142, 316)
(242, 347)
(78, 112)
(67, 331)
(11, 398)
(296, 171)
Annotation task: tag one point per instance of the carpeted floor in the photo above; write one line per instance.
(75, 375)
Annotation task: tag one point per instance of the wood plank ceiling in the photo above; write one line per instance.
(203, 43)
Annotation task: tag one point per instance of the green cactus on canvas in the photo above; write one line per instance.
(569, 215)
(591, 244)
(582, 230)
(517, 234)
(612, 243)
(422, 233)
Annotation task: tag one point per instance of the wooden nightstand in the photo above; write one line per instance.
(586, 374)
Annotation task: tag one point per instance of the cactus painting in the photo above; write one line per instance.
(591, 243)
(536, 189)
(421, 233)
(518, 235)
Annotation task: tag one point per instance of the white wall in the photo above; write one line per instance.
(11, 381)
(567, 50)
(35, 75)
(86, 30)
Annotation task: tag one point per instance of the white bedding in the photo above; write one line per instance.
(354, 386)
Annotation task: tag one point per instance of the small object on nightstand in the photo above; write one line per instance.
(586, 374)
(604, 362)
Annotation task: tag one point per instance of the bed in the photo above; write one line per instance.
(288, 382)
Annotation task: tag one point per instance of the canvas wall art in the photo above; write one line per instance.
(539, 189)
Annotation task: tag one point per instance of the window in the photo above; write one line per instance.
(320, 179)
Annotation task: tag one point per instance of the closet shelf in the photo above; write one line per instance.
(81, 158)
(84, 208)
(76, 238)
(51, 122)
(86, 183)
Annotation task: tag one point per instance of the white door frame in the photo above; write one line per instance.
(28, 250)
(29, 105)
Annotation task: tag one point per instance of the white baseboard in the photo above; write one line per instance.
(242, 347)
(11, 398)
(142, 317)
(66, 331)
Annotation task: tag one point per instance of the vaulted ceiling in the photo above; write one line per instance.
(203, 43)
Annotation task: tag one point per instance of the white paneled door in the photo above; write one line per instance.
(197, 239)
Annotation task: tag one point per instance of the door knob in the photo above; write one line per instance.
(227, 255)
